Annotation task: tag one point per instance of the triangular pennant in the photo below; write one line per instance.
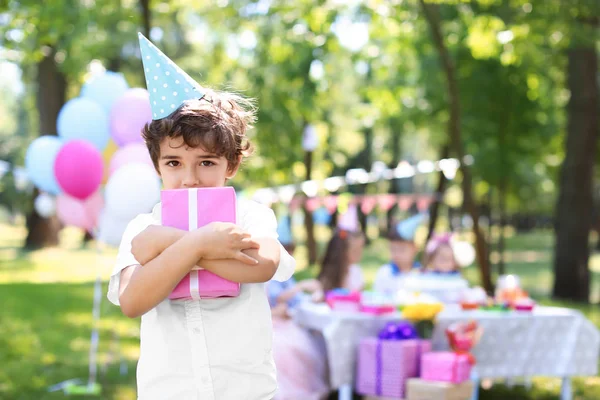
(405, 202)
(386, 201)
(312, 203)
(423, 203)
(331, 203)
(367, 204)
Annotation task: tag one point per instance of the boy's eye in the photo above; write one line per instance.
(172, 163)
(207, 163)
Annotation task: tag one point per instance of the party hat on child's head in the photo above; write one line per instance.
(284, 230)
(169, 86)
(349, 220)
(407, 228)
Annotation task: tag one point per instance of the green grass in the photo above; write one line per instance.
(46, 320)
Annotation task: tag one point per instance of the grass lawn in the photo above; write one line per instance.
(45, 319)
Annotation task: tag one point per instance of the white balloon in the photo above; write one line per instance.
(464, 253)
(133, 189)
(45, 205)
(111, 228)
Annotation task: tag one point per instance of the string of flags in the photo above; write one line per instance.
(310, 198)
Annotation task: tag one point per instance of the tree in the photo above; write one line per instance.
(575, 201)
(454, 132)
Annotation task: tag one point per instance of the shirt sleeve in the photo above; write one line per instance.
(124, 256)
(260, 221)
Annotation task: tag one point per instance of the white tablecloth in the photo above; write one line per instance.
(342, 332)
(548, 342)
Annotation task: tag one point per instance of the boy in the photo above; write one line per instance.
(199, 349)
(402, 253)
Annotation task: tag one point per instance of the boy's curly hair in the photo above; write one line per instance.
(217, 123)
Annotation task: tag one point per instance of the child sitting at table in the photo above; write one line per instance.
(439, 255)
(340, 267)
(301, 365)
(402, 253)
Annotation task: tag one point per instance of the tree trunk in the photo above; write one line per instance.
(574, 205)
(454, 133)
(51, 91)
(366, 161)
(439, 192)
(145, 5)
(311, 243)
(393, 188)
(501, 241)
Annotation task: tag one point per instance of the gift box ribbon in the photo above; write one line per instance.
(392, 331)
(193, 225)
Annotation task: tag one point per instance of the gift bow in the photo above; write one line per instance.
(398, 331)
(463, 336)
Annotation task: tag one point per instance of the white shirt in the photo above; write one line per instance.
(386, 281)
(213, 349)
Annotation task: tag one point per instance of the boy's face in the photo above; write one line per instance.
(183, 167)
(403, 253)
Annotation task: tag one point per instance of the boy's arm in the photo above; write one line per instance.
(141, 289)
(154, 240)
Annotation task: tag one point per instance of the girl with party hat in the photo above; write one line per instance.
(389, 277)
(209, 349)
(301, 365)
(340, 268)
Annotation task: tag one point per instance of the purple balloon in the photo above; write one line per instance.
(128, 116)
(132, 153)
(78, 169)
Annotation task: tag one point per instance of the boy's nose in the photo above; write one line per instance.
(190, 179)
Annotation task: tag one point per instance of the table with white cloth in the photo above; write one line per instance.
(549, 341)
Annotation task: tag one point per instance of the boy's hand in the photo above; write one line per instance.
(310, 285)
(224, 240)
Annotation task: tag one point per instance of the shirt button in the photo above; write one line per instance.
(198, 331)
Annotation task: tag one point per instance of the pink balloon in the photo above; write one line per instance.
(93, 206)
(83, 214)
(71, 211)
(78, 168)
(128, 116)
(132, 153)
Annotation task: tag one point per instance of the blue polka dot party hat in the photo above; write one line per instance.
(169, 86)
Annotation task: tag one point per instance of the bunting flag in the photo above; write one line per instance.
(405, 202)
(368, 204)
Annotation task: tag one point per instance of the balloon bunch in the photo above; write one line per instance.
(99, 142)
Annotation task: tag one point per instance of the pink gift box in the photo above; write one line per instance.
(349, 302)
(445, 367)
(190, 209)
(384, 366)
(377, 310)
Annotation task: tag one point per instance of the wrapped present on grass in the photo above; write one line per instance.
(190, 209)
(419, 389)
(386, 362)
